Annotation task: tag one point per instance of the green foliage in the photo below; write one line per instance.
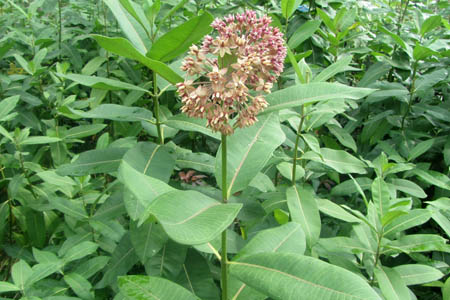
(341, 190)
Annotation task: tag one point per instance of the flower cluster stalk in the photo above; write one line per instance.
(224, 260)
(233, 69)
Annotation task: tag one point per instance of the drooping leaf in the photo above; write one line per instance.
(380, 196)
(197, 278)
(94, 161)
(116, 112)
(123, 47)
(248, 151)
(131, 30)
(139, 287)
(391, 284)
(183, 122)
(152, 160)
(190, 217)
(101, 83)
(303, 33)
(338, 160)
(179, 39)
(122, 260)
(417, 273)
(303, 209)
(429, 24)
(144, 189)
(282, 276)
(297, 95)
(288, 7)
(414, 218)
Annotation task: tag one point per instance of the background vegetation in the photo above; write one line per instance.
(341, 189)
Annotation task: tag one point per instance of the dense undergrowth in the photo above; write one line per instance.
(341, 190)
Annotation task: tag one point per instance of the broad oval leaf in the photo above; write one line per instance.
(391, 284)
(338, 160)
(418, 274)
(131, 30)
(191, 218)
(248, 151)
(145, 190)
(312, 92)
(183, 122)
(153, 160)
(139, 287)
(123, 47)
(288, 238)
(286, 276)
(116, 112)
(414, 218)
(8, 287)
(94, 161)
(304, 210)
(179, 39)
(101, 83)
(288, 7)
(303, 33)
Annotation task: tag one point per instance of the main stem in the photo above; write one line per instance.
(299, 130)
(224, 260)
(59, 28)
(156, 110)
(411, 94)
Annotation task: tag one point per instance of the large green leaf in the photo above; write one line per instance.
(434, 178)
(286, 276)
(303, 33)
(304, 210)
(144, 189)
(380, 196)
(139, 287)
(153, 160)
(341, 65)
(6, 106)
(288, 238)
(430, 23)
(391, 284)
(196, 276)
(131, 29)
(248, 151)
(418, 274)
(338, 160)
(123, 47)
(179, 39)
(183, 122)
(414, 218)
(101, 83)
(20, 273)
(334, 210)
(298, 95)
(408, 187)
(122, 260)
(147, 239)
(190, 217)
(116, 112)
(94, 161)
(288, 7)
(8, 287)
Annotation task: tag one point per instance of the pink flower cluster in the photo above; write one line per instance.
(247, 54)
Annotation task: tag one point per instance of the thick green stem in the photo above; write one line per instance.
(299, 130)
(156, 110)
(411, 94)
(377, 254)
(59, 28)
(224, 260)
